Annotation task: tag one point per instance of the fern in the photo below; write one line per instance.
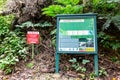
(108, 41)
(63, 7)
(53, 10)
(30, 24)
(116, 21)
(67, 2)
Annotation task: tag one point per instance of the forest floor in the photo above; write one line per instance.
(42, 67)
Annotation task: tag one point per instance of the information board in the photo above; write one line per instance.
(76, 34)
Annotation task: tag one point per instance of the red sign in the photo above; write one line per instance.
(33, 37)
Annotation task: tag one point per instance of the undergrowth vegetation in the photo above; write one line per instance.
(108, 25)
(63, 7)
(12, 47)
(108, 11)
(13, 44)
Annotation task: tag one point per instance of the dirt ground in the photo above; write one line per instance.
(43, 68)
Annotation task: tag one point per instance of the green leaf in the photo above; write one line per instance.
(45, 24)
(73, 60)
(74, 65)
(30, 24)
(30, 65)
(67, 2)
(78, 69)
(107, 24)
(84, 61)
(27, 24)
(83, 69)
(63, 7)
(116, 21)
(53, 32)
(75, 2)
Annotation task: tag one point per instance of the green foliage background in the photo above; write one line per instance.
(63, 7)
(12, 47)
(2, 3)
(106, 9)
(12, 43)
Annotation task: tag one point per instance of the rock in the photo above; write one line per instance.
(1, 72)
(44, 70)
(72, 74)
(56, 75)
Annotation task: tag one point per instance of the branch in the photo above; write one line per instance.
(4, 13)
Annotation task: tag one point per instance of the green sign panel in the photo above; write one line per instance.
(77, 34)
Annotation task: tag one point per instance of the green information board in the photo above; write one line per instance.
(76, 34)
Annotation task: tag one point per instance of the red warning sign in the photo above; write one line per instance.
(33, 37)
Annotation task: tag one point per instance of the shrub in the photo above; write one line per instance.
(11, 51)
(12, 47)
(63, 7)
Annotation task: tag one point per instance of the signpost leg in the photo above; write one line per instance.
(32, 51)
(96, 64)
(57, 62)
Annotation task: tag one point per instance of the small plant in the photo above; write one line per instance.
(102, 72)
(12, 50)
(84, 61)
(104, 6)
(53, 33)
(92, 76)
(30, 24)
(6, 64)
(76, 65)
(30, 65)
(114, 59)
(108, 41)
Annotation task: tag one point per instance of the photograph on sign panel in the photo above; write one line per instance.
(89, 42)
(86, 44)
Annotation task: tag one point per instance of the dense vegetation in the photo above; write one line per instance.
(20, 16)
